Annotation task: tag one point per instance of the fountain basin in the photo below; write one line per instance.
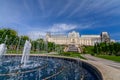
(51, 68)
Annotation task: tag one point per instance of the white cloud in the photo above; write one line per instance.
(41, 3)
(78, 8)
(36, 34)
(55, 28)
(70, 2)
(99, 7)
(26, 5)
(62, 27)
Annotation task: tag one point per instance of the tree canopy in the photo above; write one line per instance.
(107, 48)
(14, 42)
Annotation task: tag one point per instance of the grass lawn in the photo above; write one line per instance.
(38, 52)
(20, 52)
(110, 57)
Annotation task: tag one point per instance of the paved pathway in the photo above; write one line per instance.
(113, 64)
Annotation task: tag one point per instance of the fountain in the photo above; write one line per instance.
(25, 67)
(26, 52)
(2, 50)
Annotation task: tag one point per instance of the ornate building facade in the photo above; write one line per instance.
(77, 39)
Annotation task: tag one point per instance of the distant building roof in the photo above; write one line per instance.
(58, 36)
(90, 36)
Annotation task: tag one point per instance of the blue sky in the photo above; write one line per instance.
(36, 17)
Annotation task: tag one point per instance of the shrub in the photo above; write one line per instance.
(118, 53)
(93, 54)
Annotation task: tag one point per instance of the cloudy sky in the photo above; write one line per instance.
(36, 17)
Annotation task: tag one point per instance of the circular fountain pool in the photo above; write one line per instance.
(46, 68)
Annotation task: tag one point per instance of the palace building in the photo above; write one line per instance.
(77, 39)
